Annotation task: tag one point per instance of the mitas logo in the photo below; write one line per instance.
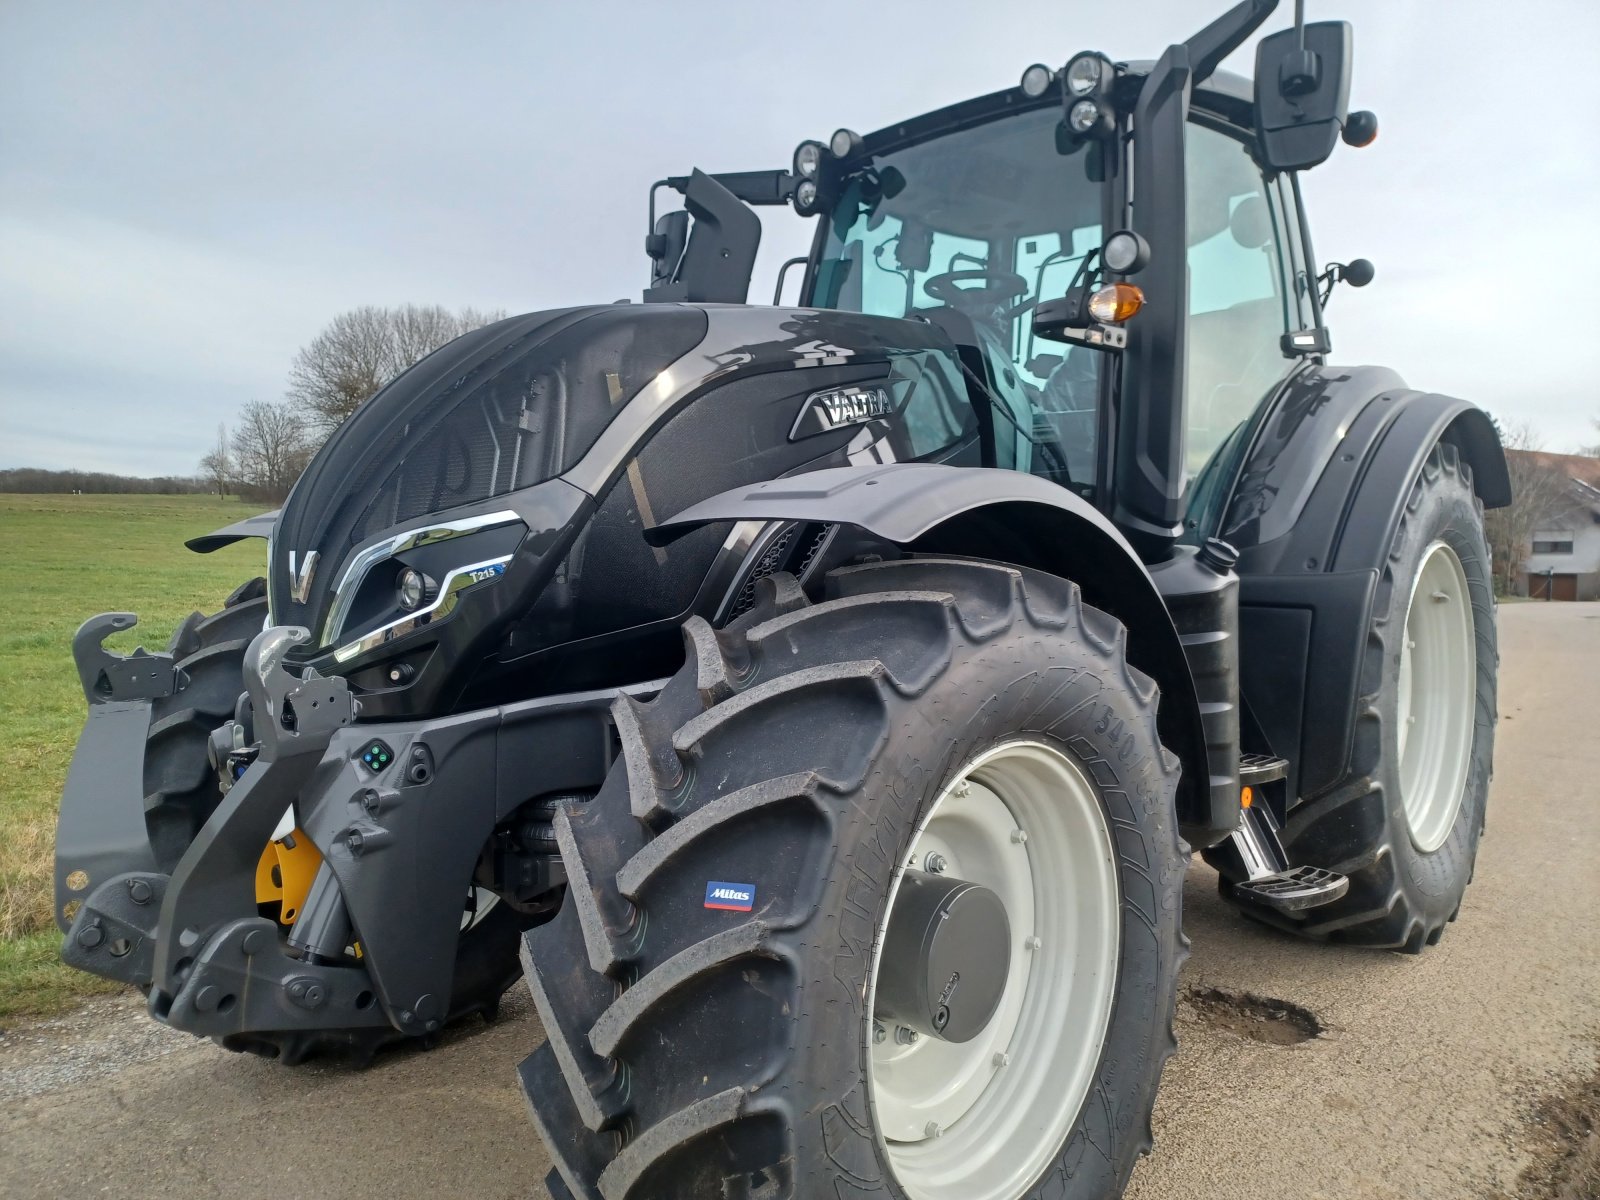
(734, 897)
(839, 407)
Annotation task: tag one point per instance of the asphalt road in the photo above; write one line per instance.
(1422, 1086)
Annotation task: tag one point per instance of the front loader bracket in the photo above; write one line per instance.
(108, 677)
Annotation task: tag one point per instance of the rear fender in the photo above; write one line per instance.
(1358, 440)
(1005, 516)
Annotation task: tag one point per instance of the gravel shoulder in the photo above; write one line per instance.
(1464, 1074)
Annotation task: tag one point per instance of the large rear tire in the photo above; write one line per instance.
(942, 714)
(1404, 823)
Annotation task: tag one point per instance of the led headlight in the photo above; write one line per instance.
(411, 589)
(808, 159)
(805, 197)
(1085, 73)
(1125, 252)
(1084, 117)
(845, 143)
(1036, 80)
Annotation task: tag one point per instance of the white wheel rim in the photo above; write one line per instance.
(983, 1120)
(1437, 696)
(479, 902)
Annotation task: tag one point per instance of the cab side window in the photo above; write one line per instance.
(1240, 300)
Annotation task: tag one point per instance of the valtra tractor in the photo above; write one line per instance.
(819, 705)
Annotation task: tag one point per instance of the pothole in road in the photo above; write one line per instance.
(1259, 1018)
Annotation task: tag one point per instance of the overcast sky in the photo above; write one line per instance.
(188, 192)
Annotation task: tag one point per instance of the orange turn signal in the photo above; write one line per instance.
(1116, 302)
(1246, 797)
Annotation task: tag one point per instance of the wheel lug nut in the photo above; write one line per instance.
(935, 863)
(1002, 1060)
(1034, 941)
(905, 1036)
(931, 1129)
(1019, 836)
(879, 1033)
(963, 788)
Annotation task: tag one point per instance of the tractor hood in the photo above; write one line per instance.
(426, 530)
(500, 410)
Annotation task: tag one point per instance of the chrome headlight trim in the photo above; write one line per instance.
(355, 574)
(443, 605)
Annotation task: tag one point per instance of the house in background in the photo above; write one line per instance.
(1564, 558)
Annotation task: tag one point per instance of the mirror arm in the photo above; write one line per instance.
(1223, 36)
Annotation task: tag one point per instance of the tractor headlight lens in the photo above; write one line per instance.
(411, 589)
(805, 197)
(1036, 80)
(1084, 116)
(845, 143)
(1125, 252)
(1084, 74)
(1116, 302)
(808, 159)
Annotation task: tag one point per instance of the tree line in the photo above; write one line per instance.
(331, 376)
(36, 479)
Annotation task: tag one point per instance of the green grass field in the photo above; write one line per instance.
(65, 558)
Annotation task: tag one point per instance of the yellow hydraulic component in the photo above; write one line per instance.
(284, 874)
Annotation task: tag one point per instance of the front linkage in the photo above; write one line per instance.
(400, 813)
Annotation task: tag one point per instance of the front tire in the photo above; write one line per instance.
(812, 753)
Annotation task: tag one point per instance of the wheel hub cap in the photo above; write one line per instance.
(945, 958)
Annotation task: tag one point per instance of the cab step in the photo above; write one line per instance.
(1293, 890)
(1256, 770)
(1254, 858)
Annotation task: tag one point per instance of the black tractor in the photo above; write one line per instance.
(823, 702)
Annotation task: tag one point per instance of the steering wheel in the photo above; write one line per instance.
(1001, 287)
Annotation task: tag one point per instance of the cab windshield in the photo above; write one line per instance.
(985, 221)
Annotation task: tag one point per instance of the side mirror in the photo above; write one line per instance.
(721, 250)
(1302, 93)
(665, 246)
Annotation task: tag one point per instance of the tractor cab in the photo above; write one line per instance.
(1132, 377)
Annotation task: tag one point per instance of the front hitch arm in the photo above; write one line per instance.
(211, 965)
(295, 718)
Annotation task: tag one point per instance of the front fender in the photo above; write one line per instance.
(1006, 516)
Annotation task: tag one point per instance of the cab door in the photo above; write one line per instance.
(1247, 289)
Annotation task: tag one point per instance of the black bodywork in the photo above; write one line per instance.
(574, 484)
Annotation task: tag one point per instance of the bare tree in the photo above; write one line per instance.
(363, 349)
(270, 448)
(217, 463)
(1594, 450)
(1538, 491)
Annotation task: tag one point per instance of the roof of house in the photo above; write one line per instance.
(1582, 467)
